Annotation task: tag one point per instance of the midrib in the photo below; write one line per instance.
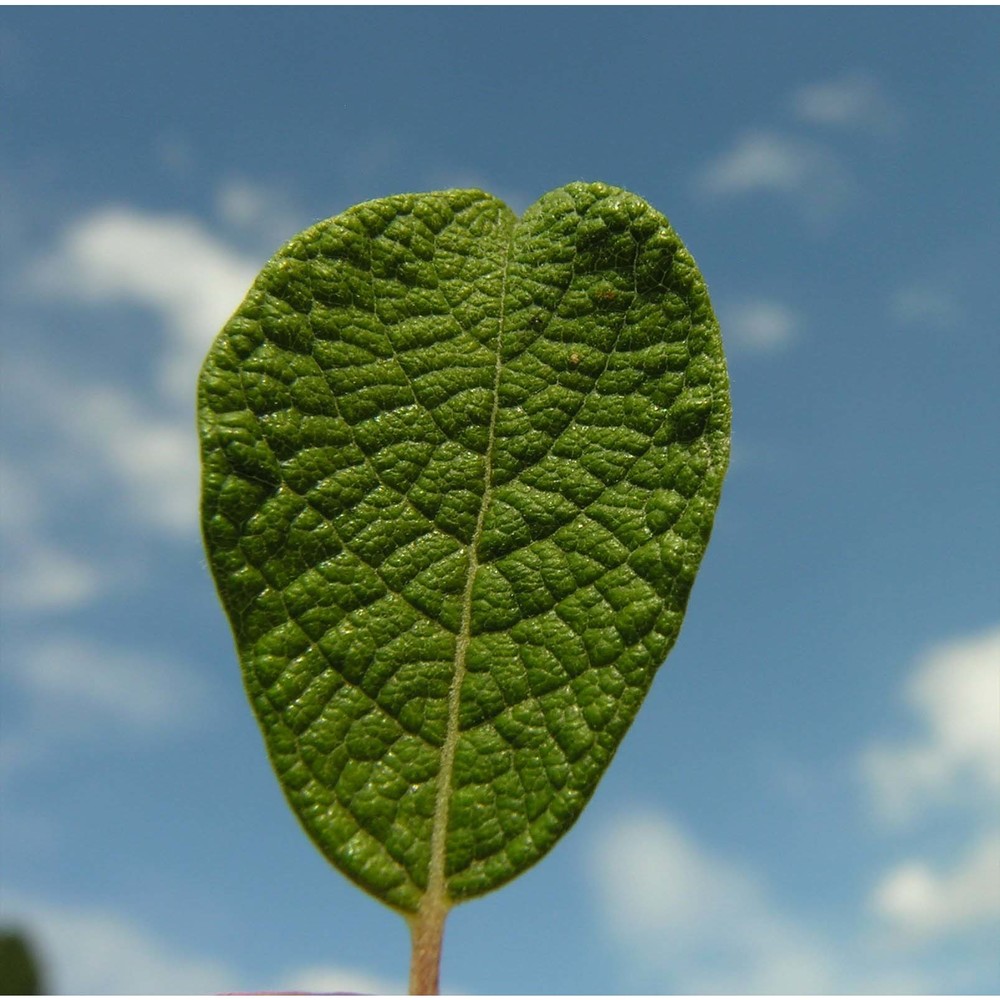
(436, 894)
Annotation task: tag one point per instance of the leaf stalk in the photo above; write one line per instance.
(427, 936)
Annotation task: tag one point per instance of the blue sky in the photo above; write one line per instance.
(809, 799)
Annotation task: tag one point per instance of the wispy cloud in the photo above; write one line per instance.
(792, 165)
(75, 691)
(73, 676)
(338, 979)
(174, 153)
(953, 695)
(169, 264)
(760, 161)
(919, 902)
(41, 574)
(154, 459)
(101, 450)
(691, 921)
(924, 304)
(44, 577)
(192, 282)
(260, 210)
(688, 919)
(104, 463)
(97, 951)
(762, 325)
(949, 769)
(104, 444)
(773, 162)
(852, 101)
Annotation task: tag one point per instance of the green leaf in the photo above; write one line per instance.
(459, 472)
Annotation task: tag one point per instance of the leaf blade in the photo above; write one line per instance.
(402, 429)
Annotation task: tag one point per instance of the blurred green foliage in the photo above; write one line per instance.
(19, 970)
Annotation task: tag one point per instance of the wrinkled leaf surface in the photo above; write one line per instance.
(459, 472)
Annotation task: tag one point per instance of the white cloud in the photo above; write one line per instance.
(76, 700)
(918, 902)
(241, 203)
(955, 695)
(41, 576)
(154, 459)
(759, 324)
(109, 450)
(854, 100)
(924, 305)
(100, 450)
(193, 282)
(954, 759)
(18, 498)
(758, 160)
(338, 979)
(689, 920)
(101, 457)
(258, 209)
(167, 263)
(174, 153)
(75, 684)
(763, 161)
(46, 578)
(93, 951)
(693, 922)
(90, 950)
